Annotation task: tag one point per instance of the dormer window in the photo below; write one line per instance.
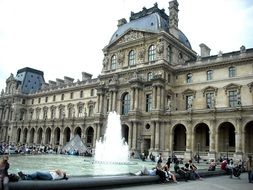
(189, 78)
(113, 62)
(149, 76)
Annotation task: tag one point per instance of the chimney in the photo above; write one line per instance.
(173, 18)
(121, 22)
(86, 76)
(68, 80)
(204, 50)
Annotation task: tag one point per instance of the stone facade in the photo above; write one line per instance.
(170, 100)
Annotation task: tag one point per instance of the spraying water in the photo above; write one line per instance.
(113, 148)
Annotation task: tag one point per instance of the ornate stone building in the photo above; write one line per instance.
(170, 99)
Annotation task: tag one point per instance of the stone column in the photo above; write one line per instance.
(130, 136)
(22, 135)
(238, 140)
(61, 138)
(35, 140)
(132, 98)
(43, 140)
(158, 98)
(98, 131)
(157, 135)
(154, 97)
(98, 104)
(152, 143)
(134, 140)
(212, 134)
(188, 152)
(136, 99)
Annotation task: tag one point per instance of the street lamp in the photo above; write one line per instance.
(198, 152)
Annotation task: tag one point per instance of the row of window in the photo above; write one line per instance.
(151, 56)
(71, 95)
(234, 100)
(209, 74)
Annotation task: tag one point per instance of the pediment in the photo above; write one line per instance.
(131, 35)
(232, 86)
(210, 89)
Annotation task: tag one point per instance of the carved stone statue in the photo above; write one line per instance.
(169, 105)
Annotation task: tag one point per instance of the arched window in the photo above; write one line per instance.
(131, 58)
(151, 53)
(113, 62)
(90, 110)
(149, 76)
(125, 104)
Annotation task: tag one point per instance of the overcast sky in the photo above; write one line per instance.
(66, 37)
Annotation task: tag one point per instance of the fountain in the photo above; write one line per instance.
(112, 149)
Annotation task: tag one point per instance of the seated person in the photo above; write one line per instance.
(168, 173)
(145, 171)
(193, 170)
(181, 171)
(160, 172)
(44, 175)
(212, 165)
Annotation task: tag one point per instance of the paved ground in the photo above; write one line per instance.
(210, 183)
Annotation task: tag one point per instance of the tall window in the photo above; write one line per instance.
(81, 94)
(151, 53)
(92, 92)
(45, 114)
(46, 99)
(189, 101)
(62, 97)
(91, 110)
(131, 58)
(231, 71)
(113, 62)
(189, 78)
(232, 98)
(169, 54)
(39, 100)
(209, 75)
(149, 76)
(71, 95)
(125, 104)
(210, 100)
(54, 98)
(148, 102)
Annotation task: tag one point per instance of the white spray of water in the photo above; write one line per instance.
(113, 148)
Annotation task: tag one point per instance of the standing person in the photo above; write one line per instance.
(4, 179)
(249, 168)
(44, 175)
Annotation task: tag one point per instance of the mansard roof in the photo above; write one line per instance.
(152, 20)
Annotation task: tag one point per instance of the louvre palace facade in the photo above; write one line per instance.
(170, 99)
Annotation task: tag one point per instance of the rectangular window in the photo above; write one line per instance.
(38, 100)
(231, 71)
(32, 101)
(232, 98)
(46, 99)
(209, 75)
(169, 78)
(189, 100)
(54, 98)
(71, 95)
(209, 100)
(81, 94)
(148, 102)
(62, 97)
(189, 78)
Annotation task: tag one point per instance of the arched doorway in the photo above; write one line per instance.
(248, 138)
(66, 134)
(89, 135)
(125, 132)
(32, 132)
(48, 136)
(202, 140)
(78, 131)
(57, 136)
(226, 138)
(25, 135)
(179, 138)
(39, 139)
(18, 135)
